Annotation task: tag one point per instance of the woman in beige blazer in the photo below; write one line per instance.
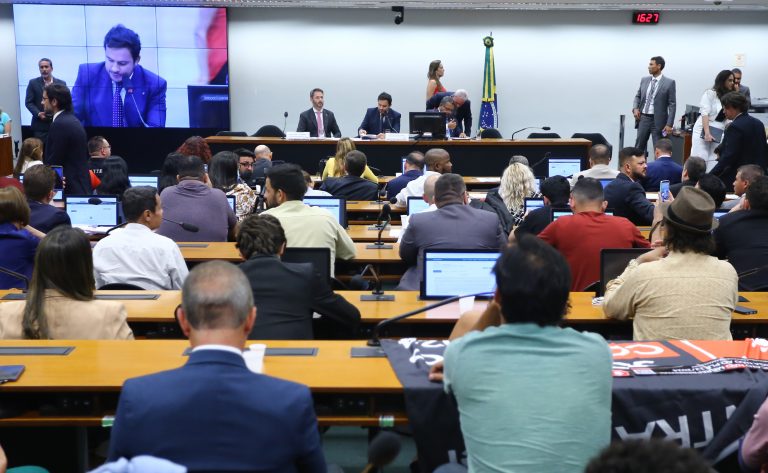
(60, 303)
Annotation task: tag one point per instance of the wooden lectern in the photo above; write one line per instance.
(6, 156)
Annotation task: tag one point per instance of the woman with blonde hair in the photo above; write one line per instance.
(60, 303)
(508, 200)
(30, 154)
(334, 166)
(434, 73)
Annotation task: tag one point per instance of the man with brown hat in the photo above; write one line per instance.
(678, 291)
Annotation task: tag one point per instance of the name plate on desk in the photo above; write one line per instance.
(103, 297)
(296, 135)
(29, 351)
(192, 245)
(396, 136)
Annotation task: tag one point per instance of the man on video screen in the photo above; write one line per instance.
(119, 92)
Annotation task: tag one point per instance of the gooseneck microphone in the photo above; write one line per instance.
(545, 128)
(377, 294)
(186, 226)
(116, 227)
(285, 121)
(128, 86)
(375, 342)
(17, 276)
(384, 219)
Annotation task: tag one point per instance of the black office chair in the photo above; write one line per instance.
(543, 135)
(596, 139)
(231, 133)
(490, 133)
(271, 131)
(120, 286)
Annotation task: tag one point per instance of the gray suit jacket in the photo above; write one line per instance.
(453, 226)
(664, 103)
(33, 99)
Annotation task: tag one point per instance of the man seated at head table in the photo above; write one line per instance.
(39, 182)
(580, 237)
(531, 396)
(287, 294)
(380, 119)
(414, 168)
(741, 237)
(304, 226)
(677, 290)
(352, 186)
(454, 225)
(438, 161)
(193, 201)
(259, 423)
(135, 254)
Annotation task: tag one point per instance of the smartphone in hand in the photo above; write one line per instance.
(664, 190)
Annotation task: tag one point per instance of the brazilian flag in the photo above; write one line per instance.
(489, 114)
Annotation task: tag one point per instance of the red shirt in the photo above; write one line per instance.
(580, 237)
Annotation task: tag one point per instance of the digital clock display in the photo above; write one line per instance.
(645, 17)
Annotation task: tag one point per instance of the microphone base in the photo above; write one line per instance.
(377, 227)
(378, 246)
(378, 297)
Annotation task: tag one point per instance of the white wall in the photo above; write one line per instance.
(9, 92)
(573, 71)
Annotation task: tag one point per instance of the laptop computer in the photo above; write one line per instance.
(143, 180)
(613, 262)
(319, 257)
(449, 273)
(100, 211)
(565, 167)
(337, 207)
(532, 203)
(557, 213)
(416, 205)
(232, 202)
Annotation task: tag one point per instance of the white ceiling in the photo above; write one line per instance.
(669, 5)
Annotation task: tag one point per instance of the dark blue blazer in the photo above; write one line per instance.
(350, 188)
(67, 146)
(627, 199)
(45, 217)
(397, 184)
(740, 238)
(372, 123)
(664, 168)
(743, 143)
(92, 97)
(213, 414)
(463, 114)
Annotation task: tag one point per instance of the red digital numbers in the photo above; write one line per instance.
(646, 18)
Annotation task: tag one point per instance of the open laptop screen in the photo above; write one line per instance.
(533, 203)
(416, 205)
(449, 273)
(613, 262)
(138, 180)
(337, 207)
(565, 167)
(92, 210)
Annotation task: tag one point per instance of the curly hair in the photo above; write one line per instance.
(517, 183)
(260, 234)
(196, 146)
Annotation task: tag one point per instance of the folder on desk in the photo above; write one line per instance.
(10, 373)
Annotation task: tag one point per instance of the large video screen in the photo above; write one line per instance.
(127, 66)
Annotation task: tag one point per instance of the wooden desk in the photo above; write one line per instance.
(471, 182)
(355, 206)
(226, 251)
(487, 157)
(362, 233)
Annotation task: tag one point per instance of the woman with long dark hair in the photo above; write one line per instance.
(710, 108)
(114, 177)
(222, 172)
(60, 302)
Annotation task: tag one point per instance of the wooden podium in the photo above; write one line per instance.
(6, 156)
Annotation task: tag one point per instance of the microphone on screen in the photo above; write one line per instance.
(382, 451)
(545, 128)
(186, 226)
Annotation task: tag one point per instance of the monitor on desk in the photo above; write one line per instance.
(416, 205)
(421, 123)
(320, 258)
(613, 262)
(557, 213)
(565, 167)
(337, 207)
(92, 210)
(143, 180)
(532, 203)
(449, 273)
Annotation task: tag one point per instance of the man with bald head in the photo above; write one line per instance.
(454, 225)
(463, 109)
(599, 158)
(438, 161)
(262, 161)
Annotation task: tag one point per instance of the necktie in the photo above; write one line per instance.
(649, 98)
(117, 107)
(320, 128)
(381, 127)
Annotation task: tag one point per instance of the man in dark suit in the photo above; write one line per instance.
(743, 141)
(318, 118)
(381, 118)
(40, 121)
(740, 237)
(663, 168)
(67, 144)
(463, 110)
(38, 187)
(286, 294)
(119, 92)
(624, 194)
(257, 423)
(414, 169)
(693, 169)
(454, 225)
(654, 105)
(352, 186)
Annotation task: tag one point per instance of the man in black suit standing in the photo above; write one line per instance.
(463, 110)
(317, 119)
(40, 121)
(67, 144)
(743, 141)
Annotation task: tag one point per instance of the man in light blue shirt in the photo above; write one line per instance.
(532, 397)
